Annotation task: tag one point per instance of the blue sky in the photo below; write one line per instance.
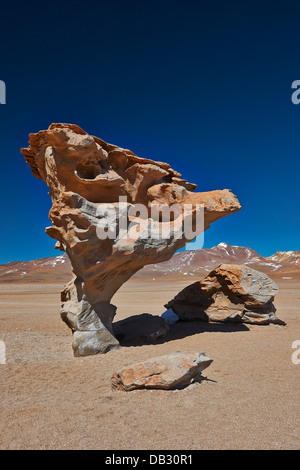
(204, 86)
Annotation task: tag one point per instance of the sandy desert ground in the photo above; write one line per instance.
(249, 398)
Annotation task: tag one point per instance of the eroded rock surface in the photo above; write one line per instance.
(229, 293)
(172, 371)
(86, 177)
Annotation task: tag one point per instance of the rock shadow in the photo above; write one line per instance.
(145, 328)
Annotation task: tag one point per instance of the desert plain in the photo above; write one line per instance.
(248, 398)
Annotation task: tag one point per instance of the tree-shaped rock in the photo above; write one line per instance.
(108, 215)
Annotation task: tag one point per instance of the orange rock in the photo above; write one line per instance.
(230, 292)
(172, 371)
(86, 177)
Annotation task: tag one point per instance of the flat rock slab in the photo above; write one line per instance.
(172, 371)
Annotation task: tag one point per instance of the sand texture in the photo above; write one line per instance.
(249, 398)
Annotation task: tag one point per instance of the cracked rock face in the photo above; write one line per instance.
(86, 178)
(230, 293)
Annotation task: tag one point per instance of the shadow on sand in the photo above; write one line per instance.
(142, 329)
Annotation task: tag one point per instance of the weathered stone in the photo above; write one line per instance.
(86, 343)
(172, 371)
(229, 293)
(86, 177)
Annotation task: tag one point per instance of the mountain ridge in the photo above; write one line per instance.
(193, 263)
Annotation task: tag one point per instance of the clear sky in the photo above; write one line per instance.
(202, 85)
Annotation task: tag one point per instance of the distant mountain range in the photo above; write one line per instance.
(199, 262)
(192, 263)
(44, 270)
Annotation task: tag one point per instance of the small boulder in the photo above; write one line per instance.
(173, 371)
(230, 293)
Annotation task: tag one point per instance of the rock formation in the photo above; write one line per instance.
(176, 370)
(86, 178)
(230, 293)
